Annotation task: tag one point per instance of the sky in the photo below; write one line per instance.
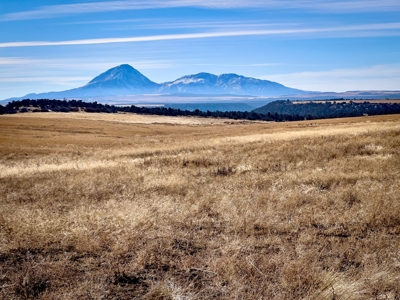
(55, 45)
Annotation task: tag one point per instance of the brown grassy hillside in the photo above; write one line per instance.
(97, 206)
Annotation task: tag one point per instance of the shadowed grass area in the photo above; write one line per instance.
(110, 209)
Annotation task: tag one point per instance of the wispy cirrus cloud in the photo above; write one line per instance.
(109, 6)
(5, 61)
(343, 6)
(240, 65)
(173, 24)
(66, 80)
(379, 28)
(339, 80)
(78, 64)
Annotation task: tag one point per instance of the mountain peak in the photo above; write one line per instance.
(123, 77)
(202, 75)
(124, 66)
(199, 83)
(230, 75)
(117, 73)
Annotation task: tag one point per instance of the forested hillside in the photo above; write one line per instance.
(328, 109)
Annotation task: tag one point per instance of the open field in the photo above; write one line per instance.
(120, 206)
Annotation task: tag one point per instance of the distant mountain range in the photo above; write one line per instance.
(126, 86)
(125, 80)
(205, 83)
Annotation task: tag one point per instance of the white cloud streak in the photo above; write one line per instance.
(377, 77)
(227, 25)
(343, 6)
(237, 65)
(15, 61)
(55, 80)
(203, 35)
(109, 6)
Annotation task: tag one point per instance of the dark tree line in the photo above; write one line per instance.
(45, 105)
(330, 109)
(275, 111)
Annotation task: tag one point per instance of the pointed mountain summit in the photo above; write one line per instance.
(123, 78)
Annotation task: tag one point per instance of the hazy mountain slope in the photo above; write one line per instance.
(202, 83)
(205, 83)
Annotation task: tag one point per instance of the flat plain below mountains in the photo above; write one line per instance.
(122, 206)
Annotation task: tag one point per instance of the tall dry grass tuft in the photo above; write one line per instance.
(212, 211)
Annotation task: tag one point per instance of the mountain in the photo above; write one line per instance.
(125, 80)
(205, 83)
(201, 83)
(120, 80)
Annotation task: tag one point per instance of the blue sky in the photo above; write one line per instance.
(313, 45)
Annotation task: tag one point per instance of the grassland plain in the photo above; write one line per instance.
(105, 206)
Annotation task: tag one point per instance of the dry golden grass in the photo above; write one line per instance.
(96, 206)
